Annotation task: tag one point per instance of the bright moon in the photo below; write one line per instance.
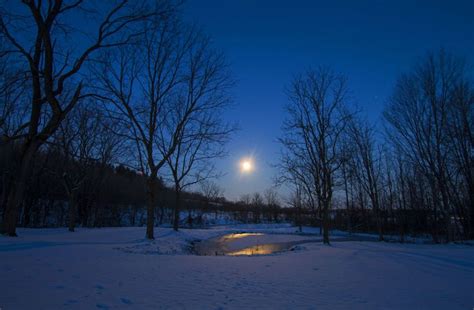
(246, 165)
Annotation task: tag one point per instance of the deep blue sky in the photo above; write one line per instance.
(268, 41)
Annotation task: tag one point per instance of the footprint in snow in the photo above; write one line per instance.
(102, 306)
(126, 301)
(99, 287)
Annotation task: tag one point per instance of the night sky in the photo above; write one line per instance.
(267, 42)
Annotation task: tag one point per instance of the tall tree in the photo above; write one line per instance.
(367, 166)
(317, 119)
(163, 88)
(204, 97)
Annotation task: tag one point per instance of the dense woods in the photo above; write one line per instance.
(91, 133)
(106, 195)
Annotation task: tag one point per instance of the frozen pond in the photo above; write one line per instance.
(257, 243)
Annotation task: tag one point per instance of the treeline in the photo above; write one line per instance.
(411, 173)
(106, 195)
(94, 190)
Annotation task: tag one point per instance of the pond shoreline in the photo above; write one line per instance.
(251, 244)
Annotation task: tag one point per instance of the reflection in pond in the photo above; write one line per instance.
(248, 244)
(260, 250)
(238, 244)
(239, 236)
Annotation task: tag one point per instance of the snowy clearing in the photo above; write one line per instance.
(116, 268)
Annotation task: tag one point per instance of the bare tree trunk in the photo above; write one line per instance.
(402, 203)
(298, 217)
(346, 191)
(320, 219)
(378, 215)
(326, 222)
(72, 212)
(17, 190)
(177, 209)
(434, 198)
(6, 183)
(150, 220)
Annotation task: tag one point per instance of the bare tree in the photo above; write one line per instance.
(189, 165)
(87, 145)
(13, 85)
(75, 140)
(211, 191)
(257, 203)
(317, 119)
(12, 113)
(421, 119)
(347, 173)
(295, 170)
(271, 197)
(202, 98)
(296, 201)
(461, 136)
(55, 64)
(367, 165)
(164, 89)
(272, 203)
(246, 199)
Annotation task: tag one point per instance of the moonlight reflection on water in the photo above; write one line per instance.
(246, 244)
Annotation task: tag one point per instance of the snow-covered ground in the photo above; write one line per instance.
(116, 268)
